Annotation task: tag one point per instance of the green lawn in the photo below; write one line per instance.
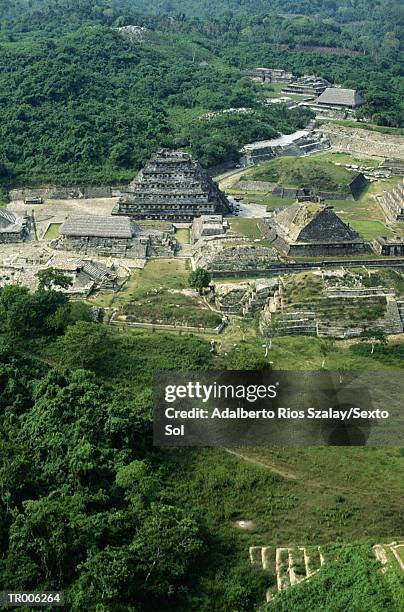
(261, 197)
(246, 227)
(160, 294)
(52, 232)
(305, 172)
(182, 235)
(347, 158)
(368, 229)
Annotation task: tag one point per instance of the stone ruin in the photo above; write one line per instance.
(174, 187)
(293, 564)
(290, 564)
(114, 237)
(270, 75)
(364, 142)
(336, 102)
(208, 225)
(308, 85)
(232, 254)
(392, 203)
(312, 229)
(87, 275)
(37, 195)
(299, 143)
(14, 228)
(340, 308)
(394, 167)
(244, 298)
(389, 246)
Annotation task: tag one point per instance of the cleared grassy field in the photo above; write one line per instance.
(309, 172)
(261, 197)
(369, 229)
(182, 235)
(371, 127)
(346, 158)
(159, 294)
(52, 232)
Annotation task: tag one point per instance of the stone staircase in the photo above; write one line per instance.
(392, 203)
(400, 307)
(291, 565)
(393, 322)
(301, 322)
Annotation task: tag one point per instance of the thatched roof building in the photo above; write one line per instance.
(341, 98)
(98, 227)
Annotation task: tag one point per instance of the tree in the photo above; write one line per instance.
(84, 344)
(51, 277)
(373, 335)
(199, 279)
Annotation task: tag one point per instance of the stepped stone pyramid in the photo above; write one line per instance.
(173, 187)
(309, 228)
(392, 203)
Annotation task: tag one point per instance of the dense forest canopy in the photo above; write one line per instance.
(344, 11)
(81, 101)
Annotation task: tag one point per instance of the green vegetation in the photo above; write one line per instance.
(304, 172)
(182, 235)
(52, 231)
(368, 228)
(158, 294)
(51, 277)
(308, 289)
(87, 503)
(370, 126)
(351, 580)
(91, 104)
(338, 157)
(246, 227)
(199, 279)
(90, 501)
(109, 102)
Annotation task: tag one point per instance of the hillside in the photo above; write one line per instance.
(84, 102)
(100, 105)
(305, 172)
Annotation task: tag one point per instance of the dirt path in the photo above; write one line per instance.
(284, 472)
(228, 181)
(265, 464)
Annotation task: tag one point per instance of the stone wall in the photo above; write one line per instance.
(115, 247)
(364, 142)
(66, 193)
(255, 185)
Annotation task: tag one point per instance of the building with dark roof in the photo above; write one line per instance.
(312, 229)
(114, 237)
(340, 98)
(336, 102)
(111, 236)
(172, 187)
(91, 226)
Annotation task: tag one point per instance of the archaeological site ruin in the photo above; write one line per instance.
(174, 187)
(312, 229)
(14, 228)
